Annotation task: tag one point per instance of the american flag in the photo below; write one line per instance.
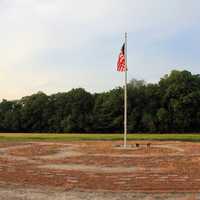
(121, 65)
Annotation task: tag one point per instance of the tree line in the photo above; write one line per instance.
(171, 105)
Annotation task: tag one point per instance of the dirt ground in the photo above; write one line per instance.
(100, 170)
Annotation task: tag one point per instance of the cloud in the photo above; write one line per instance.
(56, 45)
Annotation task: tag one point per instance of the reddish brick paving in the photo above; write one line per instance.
(164, 167)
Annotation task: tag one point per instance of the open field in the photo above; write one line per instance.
(78, 137)
(168, 170)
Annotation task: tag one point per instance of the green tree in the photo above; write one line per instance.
(33, 113)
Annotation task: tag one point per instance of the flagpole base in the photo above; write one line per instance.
(128, 146)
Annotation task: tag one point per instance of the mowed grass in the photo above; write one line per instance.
(5, 137)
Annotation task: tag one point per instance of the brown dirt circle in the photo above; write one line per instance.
(100, 166)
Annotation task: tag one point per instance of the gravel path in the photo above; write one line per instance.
(49, 194)
(90, 168)
(64, 152)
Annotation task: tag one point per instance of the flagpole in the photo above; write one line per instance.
(125, 94)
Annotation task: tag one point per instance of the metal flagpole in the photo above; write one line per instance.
(125, 94)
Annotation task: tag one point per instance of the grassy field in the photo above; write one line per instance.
(78, 137)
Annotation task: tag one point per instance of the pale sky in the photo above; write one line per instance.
(56, 45)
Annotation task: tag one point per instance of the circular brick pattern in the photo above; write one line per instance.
(100, 166)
